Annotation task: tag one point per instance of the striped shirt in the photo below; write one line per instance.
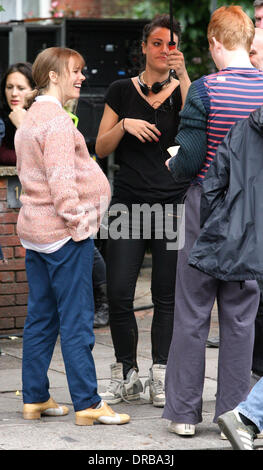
(228, 96)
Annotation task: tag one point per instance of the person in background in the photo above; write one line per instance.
(16, 83)
(64, 195)
(101, 312)
(101, 306)
(140, 121)
(212, 106)
(256, 59)
(231, 202)
(258, 13)
(2, 131)
(256, 51)
(245, 422)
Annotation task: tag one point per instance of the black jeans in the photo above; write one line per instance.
(124, 260)
(99, 269)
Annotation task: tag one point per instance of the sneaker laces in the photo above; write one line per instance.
(123, 390)
(156, 384)
(117, 386)
(114, 386)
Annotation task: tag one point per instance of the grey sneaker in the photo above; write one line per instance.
(122, 390)
(156, 384)
(241, 436)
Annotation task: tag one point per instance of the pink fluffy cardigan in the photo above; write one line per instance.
(64, 191)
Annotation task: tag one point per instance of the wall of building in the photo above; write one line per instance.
(13, 282)
(82, 8)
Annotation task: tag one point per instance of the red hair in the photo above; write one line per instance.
(232, 27)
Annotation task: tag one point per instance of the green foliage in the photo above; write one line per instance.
(2, 8)
(194, 17)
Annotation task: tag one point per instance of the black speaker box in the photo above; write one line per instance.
(111, 48)
(40, 37)
(89, 111)
(4, 55)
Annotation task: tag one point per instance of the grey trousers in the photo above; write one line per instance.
(195, 294)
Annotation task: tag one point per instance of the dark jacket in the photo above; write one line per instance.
(7, 149)
(230, 244)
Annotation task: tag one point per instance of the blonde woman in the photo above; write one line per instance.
(62, 194)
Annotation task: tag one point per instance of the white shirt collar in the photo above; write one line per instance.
(48, 98)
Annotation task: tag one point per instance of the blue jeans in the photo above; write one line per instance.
(252, 407)
(60, 301)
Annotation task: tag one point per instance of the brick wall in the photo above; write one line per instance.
(13, 282)
(85, 8)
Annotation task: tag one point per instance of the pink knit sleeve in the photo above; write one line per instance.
(59, 161)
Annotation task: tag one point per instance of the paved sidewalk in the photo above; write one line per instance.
(146, 432)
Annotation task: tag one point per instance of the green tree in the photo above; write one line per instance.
(194, 17)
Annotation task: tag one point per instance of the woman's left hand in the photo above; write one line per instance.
(175, 60)
(17, 116)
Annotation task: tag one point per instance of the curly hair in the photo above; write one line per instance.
(161, 21)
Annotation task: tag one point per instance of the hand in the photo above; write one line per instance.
(17, 116)
(143, 130)
(175, 60)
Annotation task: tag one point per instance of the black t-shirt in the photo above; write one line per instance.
(143, 176)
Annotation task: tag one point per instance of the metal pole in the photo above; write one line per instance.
(171, 43)
(171, 22)
(17, 44)
(19, 10)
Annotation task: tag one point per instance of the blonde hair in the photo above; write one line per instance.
(231, 26)
(51, 59)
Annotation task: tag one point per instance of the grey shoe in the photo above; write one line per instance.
(156, 384)
(122, 390)
(241, 436)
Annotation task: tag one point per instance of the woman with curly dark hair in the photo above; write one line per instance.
(16, 83)
(140, 121)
